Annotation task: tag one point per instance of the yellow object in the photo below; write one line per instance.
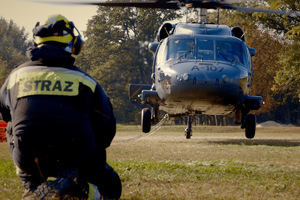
(45, 81)
(66, 38)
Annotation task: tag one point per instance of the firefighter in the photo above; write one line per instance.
(59, 116)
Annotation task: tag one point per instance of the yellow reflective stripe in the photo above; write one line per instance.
(49, 81)
(63, 39)
(18, 170)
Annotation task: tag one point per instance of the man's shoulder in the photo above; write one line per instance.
(36, 65)
(27, 64)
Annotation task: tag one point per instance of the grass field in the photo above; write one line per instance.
(217, 163)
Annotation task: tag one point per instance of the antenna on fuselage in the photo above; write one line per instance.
(186, 14)
(218, 16)
(203, 16)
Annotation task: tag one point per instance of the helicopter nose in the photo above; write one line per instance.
(204, 79)
(216, 82)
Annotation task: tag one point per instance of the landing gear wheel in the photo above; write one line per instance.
(188, 130)
(146, 120)
(188, 133)
(250, 126)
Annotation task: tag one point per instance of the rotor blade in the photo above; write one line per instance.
(158, 4)
(177, 4)
(281, 12)
(166, 4)
(232, 1)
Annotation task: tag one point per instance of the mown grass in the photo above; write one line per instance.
(206, 180)
(217, 163)
(10, 185)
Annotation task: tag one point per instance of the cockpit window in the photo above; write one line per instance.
(180, 48)
(203, 49)
(230, 51)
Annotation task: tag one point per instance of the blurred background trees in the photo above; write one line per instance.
(13, 45)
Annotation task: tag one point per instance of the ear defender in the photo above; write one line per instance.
(77, 41)
(77, 45)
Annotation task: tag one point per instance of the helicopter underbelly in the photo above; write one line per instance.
(200, 91)
(212, 100)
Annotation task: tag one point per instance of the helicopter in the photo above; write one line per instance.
(198, 68)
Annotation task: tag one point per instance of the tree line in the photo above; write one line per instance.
(115, 53)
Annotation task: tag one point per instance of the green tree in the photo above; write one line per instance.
(116, 53)
(13, 42)
(287, 78)
(284, 24)
(287, 83)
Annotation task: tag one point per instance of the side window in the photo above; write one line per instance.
(161, 53)
(249, 59)
(249, 63)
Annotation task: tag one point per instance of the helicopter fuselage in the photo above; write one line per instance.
(200, 68)
(200, 73)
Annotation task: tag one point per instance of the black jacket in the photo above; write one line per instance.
(49, 97)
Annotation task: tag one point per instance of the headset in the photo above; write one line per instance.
(77, 40)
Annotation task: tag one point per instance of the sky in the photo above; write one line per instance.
(25, 13)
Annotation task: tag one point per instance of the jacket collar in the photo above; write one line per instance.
(50, 55)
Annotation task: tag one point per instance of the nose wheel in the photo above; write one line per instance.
(188, 130)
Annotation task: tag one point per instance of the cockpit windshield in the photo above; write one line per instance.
(204, 50)
(230, 51)
(181, 48)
